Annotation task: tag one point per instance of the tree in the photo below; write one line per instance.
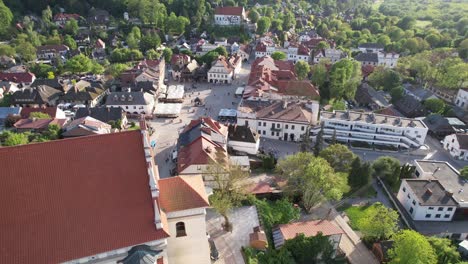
(463, 49)
(464, 173)
(79, 64)
(435, 105)
(150, 41)
(253, 16)
(345, 76)
(167, 53)
(11, 119)
(26, 51)
(70, 42)
(445, 251)
(278, 55)
(47, 16)
(387, 168)
(263, 25)
(384, 79)
(319, 73)
(41, 70)
(116, 69)
(289, 20)
(39, 115)
(339, 157)
(7, 50)
(311, 178)
(227, 183)
(6, 18)
(411, 247)
(397, 93)
(360, 174)
(318, 146)
(302, 69)
(406, 23)
(380, 223)
(71, 27)
(14, 139)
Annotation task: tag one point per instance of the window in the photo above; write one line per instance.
(246, 123)
(264, 132)
(409, 197)
(259, 123)
(440, 209)
(278, 125)
(411, 210)
(286, 126)
(428, 215)
(292, 126)
(272, 133)
(417, 173)
(264, 123)
(404, 189)
(302, 128)
(180, 229)
(414, 202)
(450, 209)
(446, 216)
(431, 208)
(437, 216)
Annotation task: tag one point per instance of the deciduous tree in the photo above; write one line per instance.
(410, 247)
(387, 168)
(380, 223)
(6, 18)
(302, 69)
(339, 157)
(278, 55)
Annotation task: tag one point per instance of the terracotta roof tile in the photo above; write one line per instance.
(56, 209)
(309, 228)
(182, 193)
(229, 10)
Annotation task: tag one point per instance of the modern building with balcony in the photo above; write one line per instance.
(373, 129)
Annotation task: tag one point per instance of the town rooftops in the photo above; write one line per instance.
(229, 11)
(52, 48)
(309, 228)
(295, 112)
(430, 192)
(447, 176)
(182, 193)
(366, 57)
(129, 98)
(371, 46)
(17, 77)
(104, 114)
(51, 111)
(373, 118)
(86, 126)
(58, 194)
(41, 94)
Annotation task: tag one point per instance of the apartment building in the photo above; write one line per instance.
(374, 129)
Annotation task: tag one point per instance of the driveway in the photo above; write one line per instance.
(229, 245)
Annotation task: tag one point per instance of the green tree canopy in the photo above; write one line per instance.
(384, 79)
(302, 69)
(278, 55)
(167, 54)
(7, 50)
(70, 42)
(71, 27)
(435, 105)
(345, 77)
(14, 139)
(464, 173)
(360, 173)
(6, 18)
(263, 25)
(387, 168)
(380, 223)
(410, 247)
(253, 16)
(444, 249)
(339, 157)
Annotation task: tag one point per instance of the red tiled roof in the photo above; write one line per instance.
(26, 111)
(200, 152)
(229, 10)
(66, 16)
(48, 48)
(182, 193)
(27, 123)
(309, 228)
(100, 43)
(160, 261)
(72, 198)
(17, 77)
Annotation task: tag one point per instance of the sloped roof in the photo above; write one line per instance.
(182, 193)
(200, 152)
(41, 94)
(229, 10)
(63, 210)
(104, 114)
(142, 254)
(27, 123)
(294, 112)
(462, 141)
(365, 57)
(51, 111)
(17, 77)
(242, 133)
(309, 228)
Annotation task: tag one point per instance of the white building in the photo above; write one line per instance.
(331, 54)
(462, 99)
(374, 128)
(243, 139)
(47, 52)
(278, 119)
(438, 193)
(297, 53)
(229, 15)
(457, 146)
(224, 70)
(132, 102)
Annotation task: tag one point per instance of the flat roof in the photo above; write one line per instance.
(373, 118)
(175, 92)
(167, 109)
(228, 112)
(448, 176)
(430, 192)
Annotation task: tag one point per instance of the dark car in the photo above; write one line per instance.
(214, 254)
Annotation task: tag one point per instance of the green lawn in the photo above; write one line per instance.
(355, 213)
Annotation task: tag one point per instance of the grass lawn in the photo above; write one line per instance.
(356, 213)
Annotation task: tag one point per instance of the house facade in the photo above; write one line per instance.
(457, 146)
(332, 54)
(229, 16)
(224, 70)
(132, 102)
(373, 129)
(461, 100)
(278, 119)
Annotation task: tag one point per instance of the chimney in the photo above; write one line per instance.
(449, 193)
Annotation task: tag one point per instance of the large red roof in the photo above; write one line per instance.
(17, 77)
(309, 228)
(72, 198)
(182, 193)
(229, 10)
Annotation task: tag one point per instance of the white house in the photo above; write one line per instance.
(281, 120)
(132, 102)
(372, 128)
(229, 15)
(224, 70)
(457, 145)
(426, 200)
(243, 139)
(331, 54)
(462, 99)
(298, 52)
